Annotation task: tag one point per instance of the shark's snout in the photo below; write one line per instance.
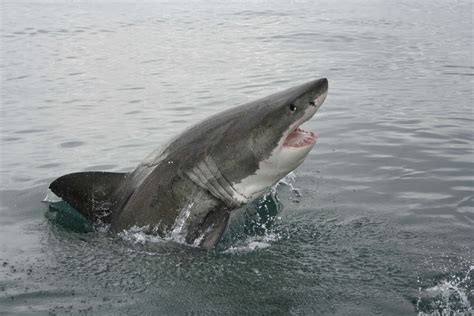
(323, 84)
(321, 88)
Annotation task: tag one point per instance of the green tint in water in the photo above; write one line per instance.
(255, 219)
(62, 214)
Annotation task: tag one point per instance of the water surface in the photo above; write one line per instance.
(383, 218)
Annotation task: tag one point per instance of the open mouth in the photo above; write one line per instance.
(300, 138)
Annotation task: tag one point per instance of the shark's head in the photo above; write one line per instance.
(262, 141)
(240, 153)
(287, 111)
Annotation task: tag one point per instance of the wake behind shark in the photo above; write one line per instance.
(189, 187)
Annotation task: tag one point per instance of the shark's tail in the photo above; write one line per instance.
(90, 193)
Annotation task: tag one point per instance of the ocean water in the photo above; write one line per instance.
(379, 219)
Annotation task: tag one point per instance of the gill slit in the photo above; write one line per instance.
(207, 175)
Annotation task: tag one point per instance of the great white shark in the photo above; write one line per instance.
(187, 188)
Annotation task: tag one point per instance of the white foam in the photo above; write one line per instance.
(448, 297)
(289, 181)
(51, 197)
(254, 243)
(179, 230)
(138, 235)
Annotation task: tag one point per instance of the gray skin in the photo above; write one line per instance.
(187, 188)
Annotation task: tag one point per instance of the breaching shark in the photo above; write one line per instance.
(188, 187)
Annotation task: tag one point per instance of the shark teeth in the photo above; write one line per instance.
(300, 138)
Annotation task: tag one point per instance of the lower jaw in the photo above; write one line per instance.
(303, 147)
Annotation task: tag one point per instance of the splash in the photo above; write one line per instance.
(257, 226)
(289, 181)
(448, 297)
(51, 197)
(139, 235)
(147, 234)
(179, 231)
(254, 243)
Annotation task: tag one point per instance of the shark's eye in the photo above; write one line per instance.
(312, 103)
(292, 107)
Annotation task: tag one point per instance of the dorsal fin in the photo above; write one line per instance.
(89, 193)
